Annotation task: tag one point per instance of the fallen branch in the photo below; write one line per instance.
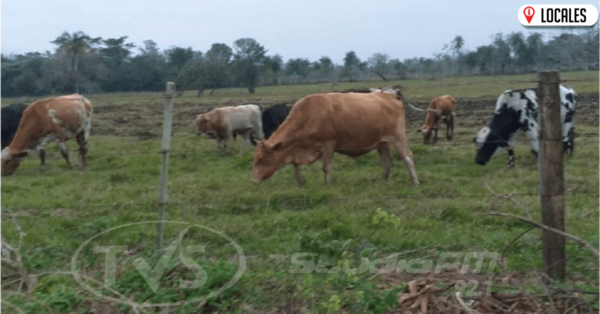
(539, 225)
(17, 262)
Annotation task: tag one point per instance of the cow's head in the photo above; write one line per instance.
(268, 158)
(11, 161)
(488, 143)
(426, 132)
(429, 126)
(204, 127)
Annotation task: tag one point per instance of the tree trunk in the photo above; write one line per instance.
(75, 66)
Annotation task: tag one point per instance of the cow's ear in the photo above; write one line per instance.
(419, 130)
(278, 146)
(475, 140)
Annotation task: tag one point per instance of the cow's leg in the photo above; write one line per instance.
(223, 144)
(245, 142)
(405, 154)
(450, 126)
(511, 157)
(327, 159)
(386, 159)
(81, 140)
(299, 177)
(437, 128)
(65, 153)
(42, 157)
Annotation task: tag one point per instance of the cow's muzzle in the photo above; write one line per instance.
(481, 161)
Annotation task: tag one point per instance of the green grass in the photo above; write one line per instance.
(59, 209)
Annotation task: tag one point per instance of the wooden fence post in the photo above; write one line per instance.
(164, 171)
(550, 165)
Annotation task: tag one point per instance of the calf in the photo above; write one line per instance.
(52, 119)
(223, 123)
(352, 124)
(273, 117)
(441, 108)
(518, 110)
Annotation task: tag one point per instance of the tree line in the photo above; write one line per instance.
(86, 64)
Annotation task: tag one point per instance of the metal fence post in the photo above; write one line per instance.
(166, 144)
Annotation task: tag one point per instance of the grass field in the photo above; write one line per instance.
(357, 216)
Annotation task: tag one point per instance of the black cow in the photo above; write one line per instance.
(518, 110)
(273, 117)
(11, 116)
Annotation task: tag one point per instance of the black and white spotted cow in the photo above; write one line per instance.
(518, 110)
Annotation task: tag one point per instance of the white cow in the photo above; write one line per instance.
(223, 123)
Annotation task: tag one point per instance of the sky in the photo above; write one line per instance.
(293, 29)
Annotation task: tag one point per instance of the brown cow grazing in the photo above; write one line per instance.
(51, 119)
(352, 124)
(441, 107)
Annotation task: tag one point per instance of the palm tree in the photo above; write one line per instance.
(457, 44)
(75, 45)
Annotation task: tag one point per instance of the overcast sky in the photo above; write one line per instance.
(294, 29)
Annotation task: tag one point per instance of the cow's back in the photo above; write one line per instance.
(71, 113)
(58, 118)
(241, 117)
(445, 103)
(351, 119)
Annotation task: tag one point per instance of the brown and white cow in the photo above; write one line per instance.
(441, 108)
(52, 119)
(223, 123)
(352, 124)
